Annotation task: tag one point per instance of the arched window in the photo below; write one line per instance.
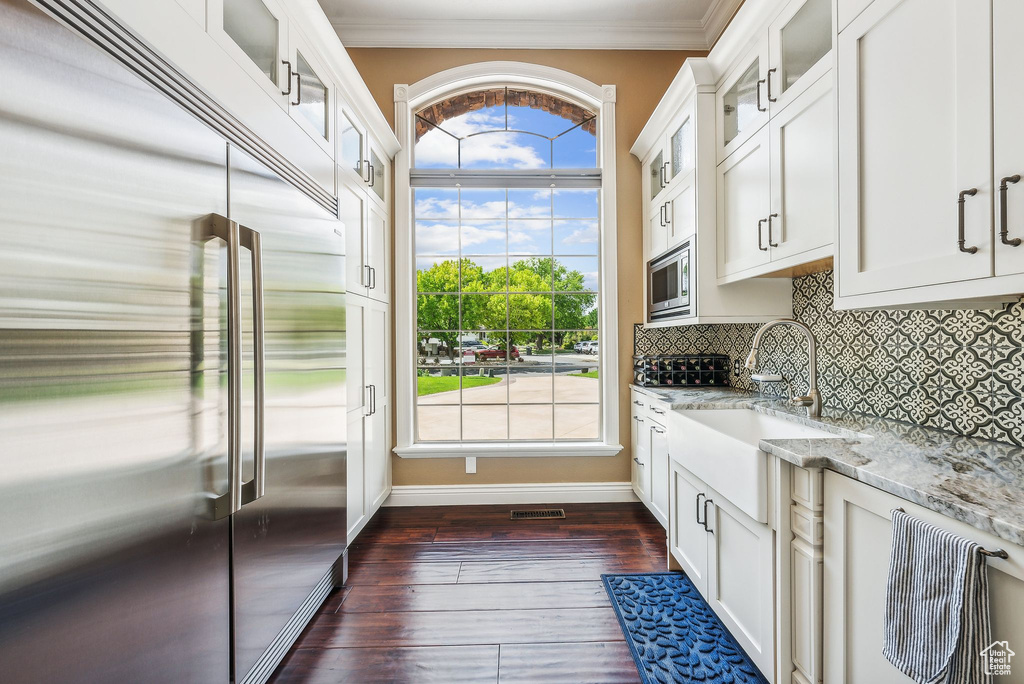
(501, 232)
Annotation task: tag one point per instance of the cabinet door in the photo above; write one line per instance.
(1008, 27)
(659, 473)
(356, 491)
(688, 539)
(744, 197)
(681, 146)
(311, 93)
(682, 210)
(656, 173)
(858, 539)
(641, 460)
(742, 104)
(914, 131)
(378, 456)
(800, 42)
(657, 233)
(741, 579)
(352, 211)
(803, 174)
(379, 174)
(352, 146)
(255, 34)
(377, 256)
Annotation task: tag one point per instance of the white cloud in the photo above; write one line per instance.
(582, 236)
(502, 150)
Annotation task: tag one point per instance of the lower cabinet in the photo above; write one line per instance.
(858, 534)
(731, 560)
(650, 441)
(368, 418)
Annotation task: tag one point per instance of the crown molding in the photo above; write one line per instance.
(539, 34)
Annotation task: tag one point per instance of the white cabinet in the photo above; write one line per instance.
(649, 468)
(670, 181)
(858, 536)
(352, 146)
(255, 34)
(799, 47)
(368, 241)
(915, 129)
(658, 440)
(1008, 103)
(741, 579)
(688, 533)
(744, 201)
(310, 93)
(369, 471)
(741, 103)
(803, 164)
(731, 560)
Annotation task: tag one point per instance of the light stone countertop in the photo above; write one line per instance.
(976, 481)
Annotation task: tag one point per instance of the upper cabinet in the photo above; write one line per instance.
(776, 146)
(255, 34)
(930, 153)
(671, 181)
(310, 92)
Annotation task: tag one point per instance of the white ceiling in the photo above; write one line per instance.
(580, 24)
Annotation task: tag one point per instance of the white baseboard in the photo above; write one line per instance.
(530, 493)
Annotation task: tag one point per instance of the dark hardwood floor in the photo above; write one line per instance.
(463, 594)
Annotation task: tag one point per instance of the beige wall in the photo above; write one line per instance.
(641, 78)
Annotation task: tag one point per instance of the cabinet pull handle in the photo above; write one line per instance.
(288, 79)
(657, 429)
(961, 239)
(638, 402)
(637, 460)
(706, 528)
(769, 83)
(657, 410)
(373, 278)
(371, 175)
(661, 176)
(366, 165)
(759, 107)
(661, 213)
(668, 214)
(760, 245)
(770, 243)
(1004, 231)
(640, 419)
(697, 515)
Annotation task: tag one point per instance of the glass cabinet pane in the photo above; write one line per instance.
(804, 40)
(739, 104)
(377, 178)
(682, 149)
(351, 145)
(311, 95)
(656, 175)
(254, 29)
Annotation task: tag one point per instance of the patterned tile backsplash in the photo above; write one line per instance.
(956, 370)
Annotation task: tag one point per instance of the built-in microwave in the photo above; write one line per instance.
(670, 284)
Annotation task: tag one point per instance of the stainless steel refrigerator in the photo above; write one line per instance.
(172, 379)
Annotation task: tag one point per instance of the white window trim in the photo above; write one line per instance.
(408, 100)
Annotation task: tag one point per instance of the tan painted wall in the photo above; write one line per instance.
(641, 78)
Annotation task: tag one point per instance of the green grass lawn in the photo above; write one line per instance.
(433, 385)
(588, 374)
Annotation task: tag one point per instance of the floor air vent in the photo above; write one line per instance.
(543, 514)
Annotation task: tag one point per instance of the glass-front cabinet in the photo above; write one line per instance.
(800, 42)
(310, 92)
(742, 101)
(352, 144)
(378, 173)
(255, 34)
(670, 174)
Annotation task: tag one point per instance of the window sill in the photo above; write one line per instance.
(522, 450)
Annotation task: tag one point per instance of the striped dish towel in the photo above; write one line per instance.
(936, 604)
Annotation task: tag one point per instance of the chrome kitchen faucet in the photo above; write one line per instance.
(813, 398)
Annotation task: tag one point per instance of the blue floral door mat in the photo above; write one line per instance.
(673, 634)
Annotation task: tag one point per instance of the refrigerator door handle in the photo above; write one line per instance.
(255, 488)
(210, 227)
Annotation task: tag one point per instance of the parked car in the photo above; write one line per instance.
(495, 352)
(578, 347)
(589, 347)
